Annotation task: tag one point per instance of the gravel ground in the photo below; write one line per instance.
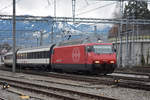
(6, 95)
(108, 91)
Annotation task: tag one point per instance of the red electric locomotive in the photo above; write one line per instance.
(90, 57)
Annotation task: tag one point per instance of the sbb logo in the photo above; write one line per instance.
(76, 55)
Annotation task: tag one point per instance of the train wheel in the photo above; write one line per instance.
(105, 74)
(48, 68)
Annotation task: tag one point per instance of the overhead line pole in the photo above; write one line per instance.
(121, 33)
(54, 8)
(53, 23)
(73, 9)
(14, 36)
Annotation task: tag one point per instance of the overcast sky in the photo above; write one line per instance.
(84, 8)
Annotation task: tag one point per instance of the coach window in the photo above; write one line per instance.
(43, 54)
(21, 56)
(37, 55)
(32, 55)
(24, 56)
(47, 54)
(28, 55)
(40, 54)
(18, 56)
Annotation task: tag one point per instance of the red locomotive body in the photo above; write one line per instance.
(91, 57)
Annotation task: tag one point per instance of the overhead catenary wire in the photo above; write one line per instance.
(9, 5)
(88, 6)
(49, 4)
(87, 2)
(95, 9)
(121, 0)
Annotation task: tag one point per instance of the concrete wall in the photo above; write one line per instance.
(136, 53)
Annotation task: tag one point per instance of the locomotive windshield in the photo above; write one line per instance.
(102, 49)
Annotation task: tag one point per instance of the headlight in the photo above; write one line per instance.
(97, 62)
(112, 62)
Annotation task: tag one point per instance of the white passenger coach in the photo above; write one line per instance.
(31, 57)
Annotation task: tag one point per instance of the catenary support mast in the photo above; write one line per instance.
(14, 36)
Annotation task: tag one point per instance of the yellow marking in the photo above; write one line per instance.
(24, 97)
(101, 94)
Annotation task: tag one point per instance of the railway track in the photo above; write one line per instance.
(135, 70)
(60, 93)
(128, 82)
(2, 98)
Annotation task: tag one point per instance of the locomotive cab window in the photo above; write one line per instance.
(102, 49)
(89, 48)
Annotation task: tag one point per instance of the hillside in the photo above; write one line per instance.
(28, 33)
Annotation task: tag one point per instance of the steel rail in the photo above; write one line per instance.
(2, 98)
(106, 80)
(46, 90)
